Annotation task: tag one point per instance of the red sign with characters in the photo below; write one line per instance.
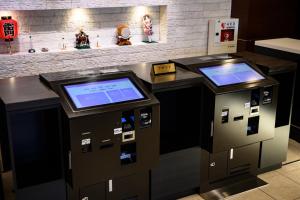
(8, 28)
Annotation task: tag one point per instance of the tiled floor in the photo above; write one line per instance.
(283, 184)
(293, 152)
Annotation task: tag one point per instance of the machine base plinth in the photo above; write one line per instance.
(233, 189)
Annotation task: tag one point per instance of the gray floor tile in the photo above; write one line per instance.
(293, 175)
(255, 194)
(192, 197)
(293, 151)
(281, 188)
(289, 167)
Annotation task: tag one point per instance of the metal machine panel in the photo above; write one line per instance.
(234, 117)
(275, 151)
(218, 163)
(178, 172)
(133, 187)
(93, 192)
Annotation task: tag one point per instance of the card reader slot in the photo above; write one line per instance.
(128, 136)
(106, 144)
(238, 118)
(254, 110)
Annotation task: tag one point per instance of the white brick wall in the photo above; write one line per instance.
(48, 27)
(184, 32)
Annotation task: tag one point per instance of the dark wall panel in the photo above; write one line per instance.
(266, 19)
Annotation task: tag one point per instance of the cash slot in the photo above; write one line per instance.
(105, 146)
(238, 118)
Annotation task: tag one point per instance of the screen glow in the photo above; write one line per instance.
(106, 92)
(231, 73)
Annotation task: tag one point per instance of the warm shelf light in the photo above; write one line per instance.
(5, 13)
(140, 11)
(79, 17)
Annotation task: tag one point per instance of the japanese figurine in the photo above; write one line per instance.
(123, 35)
(147, 25)
(82, 40)
(98, 43)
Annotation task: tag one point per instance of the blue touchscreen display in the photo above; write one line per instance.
(103, 92)
(231, 73)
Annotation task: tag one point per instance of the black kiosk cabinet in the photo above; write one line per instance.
(238, 112)
(284, 72)
(178, 172)
(111, 134)
(30, 140)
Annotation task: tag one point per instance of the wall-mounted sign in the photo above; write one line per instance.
(223, 36)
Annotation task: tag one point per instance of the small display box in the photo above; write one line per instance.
(111, 134)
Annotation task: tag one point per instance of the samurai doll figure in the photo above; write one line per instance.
(147, 23)
(82, 40)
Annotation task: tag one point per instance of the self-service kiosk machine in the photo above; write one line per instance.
(274, 152)
(238, 112)
(111, 134)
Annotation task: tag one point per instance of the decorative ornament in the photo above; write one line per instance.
(98, 43)
(8, 30)
(147, 25)
(44, 49)
(31, 50)
(82, 40)
(123, 35)
(63, 44)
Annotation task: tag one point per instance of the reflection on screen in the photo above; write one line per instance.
(231, 73)
(103, 92)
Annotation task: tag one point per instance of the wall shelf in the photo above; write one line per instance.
(70, 4)
(73, 53)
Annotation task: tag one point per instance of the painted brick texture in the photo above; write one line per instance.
(180, 25)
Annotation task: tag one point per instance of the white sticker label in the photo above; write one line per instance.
(110, 186)
(86, 141)
(224, 114)
(231, 154)
(117, 131)
(247, 105)
(85, 198)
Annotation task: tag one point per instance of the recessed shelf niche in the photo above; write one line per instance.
(49, 27)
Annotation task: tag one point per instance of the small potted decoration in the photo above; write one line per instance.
(82, 40)
(123, 35)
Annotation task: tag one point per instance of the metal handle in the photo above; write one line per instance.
(212, 129)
